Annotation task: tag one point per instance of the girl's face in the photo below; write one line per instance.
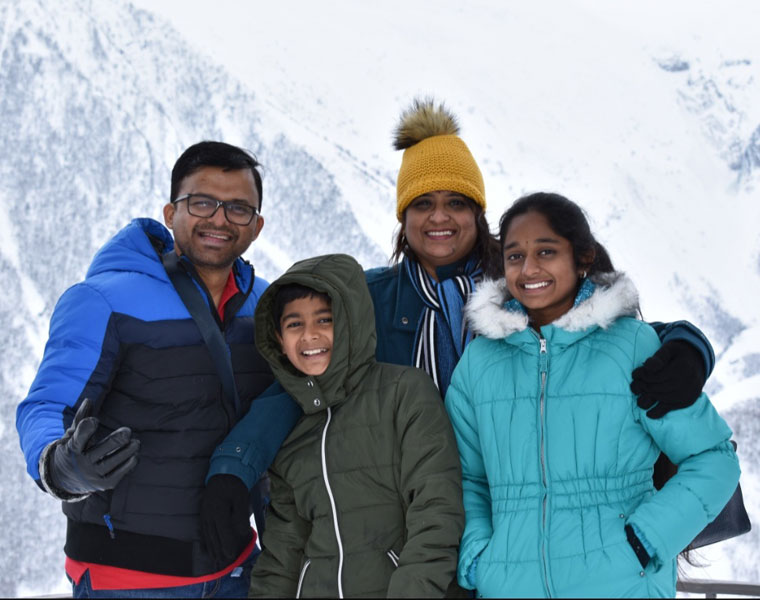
(539, 268)
(440, 228)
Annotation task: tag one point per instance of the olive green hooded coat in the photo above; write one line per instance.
(366, 490)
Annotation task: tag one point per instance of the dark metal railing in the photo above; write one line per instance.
(711, 588)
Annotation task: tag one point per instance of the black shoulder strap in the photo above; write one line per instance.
(199, 310)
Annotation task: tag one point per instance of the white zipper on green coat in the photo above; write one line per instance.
(394, 557)
(332, 505)
(543, 360)
(301, 577)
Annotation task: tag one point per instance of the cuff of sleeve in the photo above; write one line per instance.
(686, 332)
(642, 538)
(232, 459)
(472, 571)
(638, 544)
(46, 479)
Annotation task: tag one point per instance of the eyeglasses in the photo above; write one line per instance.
(201, 205)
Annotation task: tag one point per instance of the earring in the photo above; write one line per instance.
(583, 275)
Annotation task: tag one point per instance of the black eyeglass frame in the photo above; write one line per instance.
(224, 204)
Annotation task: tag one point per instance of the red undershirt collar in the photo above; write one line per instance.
(230, 289)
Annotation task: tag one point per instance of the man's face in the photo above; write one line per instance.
(213, 242)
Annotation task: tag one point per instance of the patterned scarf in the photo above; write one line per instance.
(442, 332)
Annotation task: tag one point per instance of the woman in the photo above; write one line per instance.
(443, 249)
(445, 243)
(556, 455)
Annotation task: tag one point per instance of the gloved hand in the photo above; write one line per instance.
(225, 517)
(76, 467)
(670, 379)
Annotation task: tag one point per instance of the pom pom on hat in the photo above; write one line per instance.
(435, 157)
(423, 119)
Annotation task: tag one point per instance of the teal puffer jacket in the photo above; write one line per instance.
(557, 457)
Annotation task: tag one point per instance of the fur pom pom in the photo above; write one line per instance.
(423, 119)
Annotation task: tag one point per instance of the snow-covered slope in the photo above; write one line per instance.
(646, 116)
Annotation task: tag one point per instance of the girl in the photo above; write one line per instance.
(556, 455)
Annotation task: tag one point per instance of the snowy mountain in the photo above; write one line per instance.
(645, 117)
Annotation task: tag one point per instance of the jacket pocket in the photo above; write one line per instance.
(301, 577)
(394, 557)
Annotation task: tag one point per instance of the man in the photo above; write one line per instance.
(129, 402)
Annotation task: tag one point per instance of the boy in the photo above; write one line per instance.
(366, 490)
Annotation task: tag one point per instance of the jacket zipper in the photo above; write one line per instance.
(394, 557)
(332, 505)
(301, 576)
(543, 360)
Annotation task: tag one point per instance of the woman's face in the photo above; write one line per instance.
(539, 268)
(440, 228)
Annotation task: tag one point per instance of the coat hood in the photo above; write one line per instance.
(614, 296)
(137, 248)
(342, 278)
(132, 249)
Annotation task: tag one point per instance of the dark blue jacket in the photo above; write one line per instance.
(249, 450)
(124, 339)
(398, 309)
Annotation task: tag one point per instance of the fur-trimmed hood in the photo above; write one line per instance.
(615, 296)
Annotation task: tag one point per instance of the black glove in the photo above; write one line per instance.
(670, 379)
(225, 517)
(76, 467)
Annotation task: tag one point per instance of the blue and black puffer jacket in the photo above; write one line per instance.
(124, 339)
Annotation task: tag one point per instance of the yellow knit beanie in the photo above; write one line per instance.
(435, 157)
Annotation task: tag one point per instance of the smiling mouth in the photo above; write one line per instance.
(314, 352)
(440, 234)
(215, 235)
(536, 286)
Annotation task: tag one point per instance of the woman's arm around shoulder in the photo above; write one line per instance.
(689, 333)
(673, 377)
(249, 449)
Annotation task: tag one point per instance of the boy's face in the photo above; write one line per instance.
(306, 334)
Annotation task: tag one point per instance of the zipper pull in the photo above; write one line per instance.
(111, 532)
(543, 356)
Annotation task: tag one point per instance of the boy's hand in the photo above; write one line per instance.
(225, 518)
(670, 379)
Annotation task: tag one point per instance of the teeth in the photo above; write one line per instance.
(218, 236)
(313, 352)
(535, 286)
(440, 233)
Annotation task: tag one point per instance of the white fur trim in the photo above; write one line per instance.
(615, 296)
(486, 314)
